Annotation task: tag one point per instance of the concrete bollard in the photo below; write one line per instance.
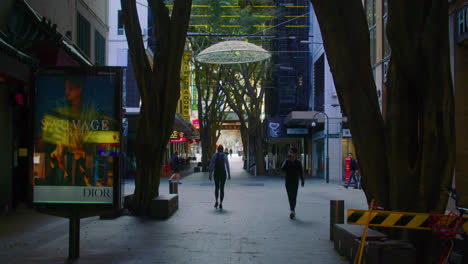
(336, 214)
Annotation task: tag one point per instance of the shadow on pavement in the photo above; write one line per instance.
(220, 212)
(300, 222)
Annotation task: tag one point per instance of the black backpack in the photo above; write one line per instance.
(219, 163)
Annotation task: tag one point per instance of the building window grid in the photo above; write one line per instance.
(120, 24)
(371, 13)
(83, 32)
(386, 45)
(100, 49)
(373, 44)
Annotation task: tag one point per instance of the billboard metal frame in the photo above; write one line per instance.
(81, 210)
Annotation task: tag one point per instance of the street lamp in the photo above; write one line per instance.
(327, 175)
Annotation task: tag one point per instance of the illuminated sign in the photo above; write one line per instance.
(297, 131)
(182, 139)
(196, 124)
(186, 85)
(176, 135)
(76, 136)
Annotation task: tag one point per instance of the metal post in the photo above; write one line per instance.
(327, 177)
(336, 214)
(74, 235)
(327, 173)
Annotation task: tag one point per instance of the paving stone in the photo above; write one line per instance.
(253, 227)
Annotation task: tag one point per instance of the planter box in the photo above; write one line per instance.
(345, 235)
(378, 248)
(388, 252)
(163, 206)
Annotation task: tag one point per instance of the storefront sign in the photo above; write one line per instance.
(175, 135)
(23, 152)
(77, 136)
(196, 124)
(186, 85)
(297, 131)
(275, 128)
(461, 24)
(346, 132)
(333, 135)
(182, 139)
(194, 95)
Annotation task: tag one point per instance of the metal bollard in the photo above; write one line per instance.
(173, 187)
(336, 214)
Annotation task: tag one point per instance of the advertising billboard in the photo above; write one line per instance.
(77, 135)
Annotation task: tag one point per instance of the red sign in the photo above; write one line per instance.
(182, 139)
(196, 124)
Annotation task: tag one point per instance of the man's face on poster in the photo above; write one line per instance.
(72, 91)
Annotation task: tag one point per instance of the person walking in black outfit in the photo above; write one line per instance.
(293, 169)
(354, 168)
(175, 164)
(220, 166)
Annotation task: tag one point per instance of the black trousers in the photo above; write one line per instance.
(291, 189)
(352, 176)
(219, 180)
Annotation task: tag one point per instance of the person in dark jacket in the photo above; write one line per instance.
(293, 168)
(220, 166)
(175, 164)
(354, 168)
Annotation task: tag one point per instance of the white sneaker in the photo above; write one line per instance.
(292, 215)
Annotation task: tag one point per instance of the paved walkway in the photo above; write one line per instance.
(254, 227)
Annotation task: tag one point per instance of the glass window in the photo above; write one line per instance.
(386, 45)
(373, 44)
(385, 8)
(99, 49)
(84, 31)
(120, 24)
(371, 12)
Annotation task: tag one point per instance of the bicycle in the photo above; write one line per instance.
(448, 228)
(461, 210)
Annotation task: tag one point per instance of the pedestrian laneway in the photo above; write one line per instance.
(253, 227)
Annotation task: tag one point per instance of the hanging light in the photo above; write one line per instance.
(233, 52)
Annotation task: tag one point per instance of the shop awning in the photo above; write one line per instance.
(37, 37)
(303, 118)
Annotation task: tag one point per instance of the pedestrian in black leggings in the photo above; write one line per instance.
(354, 167)
(220, 165)
(293, 169)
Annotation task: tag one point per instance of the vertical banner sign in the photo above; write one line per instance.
(76, 137)
(194, 95)
(186, 85)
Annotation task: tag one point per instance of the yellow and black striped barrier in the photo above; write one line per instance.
(393, 219)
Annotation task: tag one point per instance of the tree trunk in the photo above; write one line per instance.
(406, 160)
(159, 88)
(147, 177)
(420, 106)
(206, 146)
(245, 144)
(258, 143)
(420, 117)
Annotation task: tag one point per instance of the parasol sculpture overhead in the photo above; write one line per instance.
(233, 52)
